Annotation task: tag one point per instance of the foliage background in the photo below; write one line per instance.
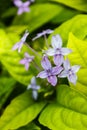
(67, 107)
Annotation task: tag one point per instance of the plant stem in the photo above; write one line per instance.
(32, 50)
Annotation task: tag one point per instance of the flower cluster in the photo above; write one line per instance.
(22, 6)
(59, 68)
(19, 44)
(49, 71)
(26, 61)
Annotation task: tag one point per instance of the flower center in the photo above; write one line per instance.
(70, 72)
(49, 72)
(58, 51)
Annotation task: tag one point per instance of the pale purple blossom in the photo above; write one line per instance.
(57, 51)
(19, 44)
(33, 85)
(49, 71)
(70, 72)
(43, 33)
(26, 61)
(22, 6)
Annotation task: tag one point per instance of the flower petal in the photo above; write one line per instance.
(58, 59)
(66, 64)
(20, 46)
(42, 74)
(15, 46)
(51, 52)
(26, 55)
(29, 87)
(52, 80)
(26, 9)
(75, 68)
(36, 37)
(23, 39)
(56, 41)
(56, 70)
(18, 3)
(33, 80)
(45, 63)
(23, 61)
(63, 74)
(48, 31)
(34, 94)
(20, 11)
(72, 78)
(65, 51)
(26, 4)
(37, 87)
(27, 66)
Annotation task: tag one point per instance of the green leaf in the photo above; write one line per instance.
(6, 87)
(76, 25)
(68, 113)
(30, 126)
(10, 59)
(17, 29)
(76, 4)
(9, 12)
(6, 84)
(64, 15)
(22, 110)
(79, 57)
(40, 14)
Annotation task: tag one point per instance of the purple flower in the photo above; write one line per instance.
(22, 6)
(57, 51)
(34, 88)
(26, 61)
(43, 33)
(69, 72)
(19, 44)
(49, 71)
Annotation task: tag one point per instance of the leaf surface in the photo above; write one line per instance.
(11, 59)
(76, 4)
(22, 110)
(79, 57)
(68, 113)
(77, 25)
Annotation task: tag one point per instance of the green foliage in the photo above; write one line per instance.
(6, 84)
(17, 29)
(22, 110)
(79, 56)
(77, 25)
(69, 112)
(39, 15)
(30, 126)
(65, 14)
(76, 4)
(10, 59)
(63, 107)
(6, 87)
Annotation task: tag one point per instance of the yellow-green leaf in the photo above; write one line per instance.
(68, 113)
(76, 4)
(10, 59)
(79, 57)
(22, 110)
